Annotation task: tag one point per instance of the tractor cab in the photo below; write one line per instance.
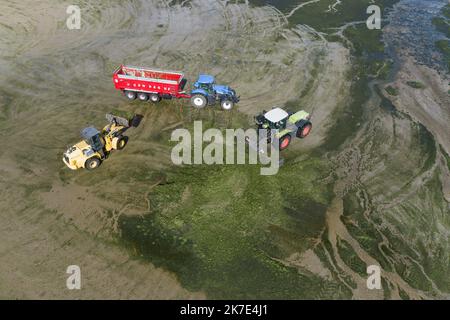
(93, 138)
(275, 119)
(205, 82)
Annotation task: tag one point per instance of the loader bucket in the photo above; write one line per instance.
(118, 120)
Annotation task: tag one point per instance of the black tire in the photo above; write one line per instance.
(92, 163)
(142, 96)
(155, 98)
(199, 101)
(122, 142)
(284, 142)
(304, 130)
(226, 104)
(131, 95)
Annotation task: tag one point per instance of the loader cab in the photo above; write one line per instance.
(93, 138)
(205, 82)
(276, 118)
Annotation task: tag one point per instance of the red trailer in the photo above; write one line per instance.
(149, 83)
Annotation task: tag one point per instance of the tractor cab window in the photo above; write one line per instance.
(206, 86)
(282, 124)
(278, 125)
(95, 142)
(273, 125)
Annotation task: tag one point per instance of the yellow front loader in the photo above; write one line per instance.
(96, 146)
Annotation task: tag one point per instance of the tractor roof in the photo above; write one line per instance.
(206, 79)
(276, 114)
(89, 132)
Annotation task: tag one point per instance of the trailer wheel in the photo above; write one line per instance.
(227, 104)
(92, 163)
(142, 96)
(154, 97)
(285, 141)
(198, 101)
(304, 130)
(122, 142)
(130, 95)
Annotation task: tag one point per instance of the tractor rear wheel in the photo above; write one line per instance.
(154, 97)
(122, 142)
(284, 142)
(304, 130)
(142, 96)
(227, 104)
(92, 163)
(131, 95)
(199, 101)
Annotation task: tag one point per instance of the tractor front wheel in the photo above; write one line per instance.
(121, 143)
(304, 130)
(131, 95)
(226, 104)
(284, 142)
(154, 97)
(199, 101)
(92, 163)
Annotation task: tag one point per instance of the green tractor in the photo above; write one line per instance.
(281, 126)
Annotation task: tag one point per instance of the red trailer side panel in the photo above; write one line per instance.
(149, 80)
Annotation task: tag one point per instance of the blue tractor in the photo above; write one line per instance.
(206, 92)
